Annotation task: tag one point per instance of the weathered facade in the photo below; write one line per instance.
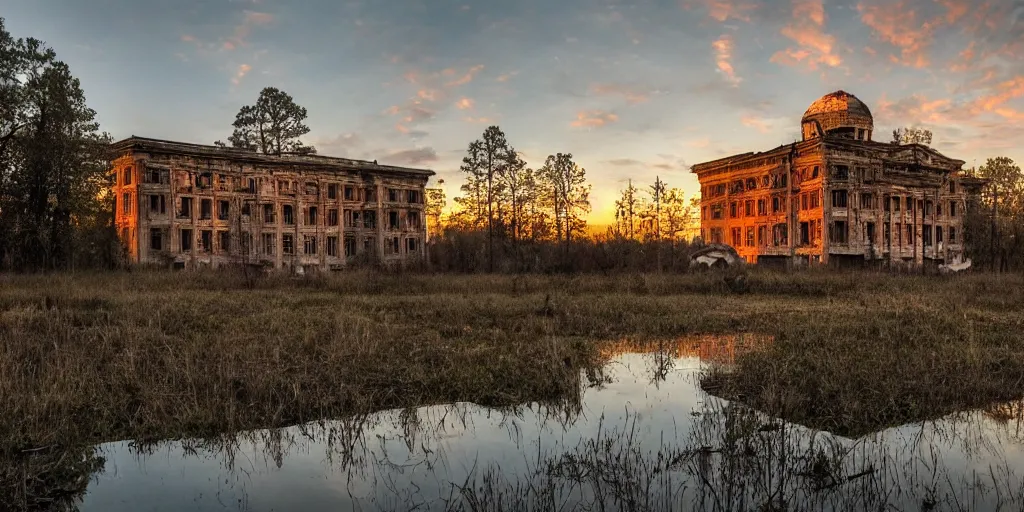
(190, 205)
(837, 196)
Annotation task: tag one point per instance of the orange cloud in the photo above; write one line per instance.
(722, 10)
(898, 25)
(806, 29)
(757, 123)
(243, 70)
(427, 94)
(466, 78)
(241, 33)
(464, 104)
(723, 58)
(506, 76)
(594, 119)
(632, 95)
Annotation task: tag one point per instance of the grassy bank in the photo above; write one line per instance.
(91, 358)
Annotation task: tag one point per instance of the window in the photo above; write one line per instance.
(926, 235)
(927, 208)
(223, 182)
(395, 247)
(288, 213)
(899, 234)
(309, 244)
(268, 213)
(332, 217)
(332, 191)
(332, 246)
(804, 201)
(224, 241)
(750, 236)
(128, 176)
(866, 200)
(716, 235)
(952, 235)
(886, 234)
(269, 244)
(411, 244)
(392, 195)
(716, 211)
(156, 239)
(869, 233)
(815, 199)
(938, 235)
(246, 210)
(126, 203)
(245, 243)
(910, 204)
(762, 207)
(311, 216)
(205, 209)
(153, 176)
(775, 204)
(938, 209)
(224, 210)
(312, 189)
(780, 234)
(838, 232)
(952, 190)
(185, 212)
(206, 240)
(287, 244)
(952, 212)
(733, 210)
(205, 180)
(413, 219)
(186, 240)
(349, 193)
(841, 173)
(414, 196)
(369, 219)
(748, 208)
(392, 220)
(761, 235)
(350, 246)
(839, 199)
(886, 203)
(910, 234)
(737, 237)
(252, 185)
(157, 203)
(805, 233)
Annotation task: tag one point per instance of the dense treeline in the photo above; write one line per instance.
(54, 210)
(994, 227)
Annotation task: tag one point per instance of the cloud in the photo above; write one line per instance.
(625, 162)
(504, 77)
(899, 25)
(243, 70)
(479, 120)
(240, 35)
(723, 58)
(723, 10)
(343, 145)
(632, 94)
(594, 119)
(412, 156)
(806, 29)
(467, 77)
(464, 104)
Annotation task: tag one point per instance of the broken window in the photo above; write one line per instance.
(737, 237)
(157, 203)
(126, 203)
(311, 216)
(205, 209)
(815, 199)
(805, 233)
(288, 214)
(206, 240)
(837, 232)
(780, 235)
(252, 186)
(332, 246)
(332, 191)
(952, 235)
(224, 241)
(896, 201)
(414, 196)
(926, 235)
(869, 233)
(128, 176)
(910, 204)
(186, 240)
(205, 180)
(312, 189)
(938, 209)
(185, 211)
(775, 204)
(750, 236)
(716, 211)
(762, 207)
(349, 193)
(761, 235)
(392, 195)
(370, 194)
(841, 173)
(332, 217)
(886, 234)
(866, 200)
(223, 210)
(748, 208)
(350, 246)
(804, 201)
(952, 190)
(927, 208)
(392, 220)
(952, 212)
(886, 204)
(899, 234)
(246, 209)
(268, 213)
(413, 219)
(287, 244)
(910, 234)
(309, 244)
(269, 244)
(156, 239)
(245, 243)
(839, 199)
(153, 176)
(938, 235)
(223, 182)
(733, 210)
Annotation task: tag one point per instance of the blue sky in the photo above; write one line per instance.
(633, 89)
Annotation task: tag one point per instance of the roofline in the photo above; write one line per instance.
(175, 147)
(745, 157)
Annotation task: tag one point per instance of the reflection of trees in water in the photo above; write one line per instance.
(48, 479)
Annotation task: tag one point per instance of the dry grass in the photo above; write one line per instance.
(98, 357)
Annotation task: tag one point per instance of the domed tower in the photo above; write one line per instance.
(839, 114)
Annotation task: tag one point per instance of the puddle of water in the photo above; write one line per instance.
(645, 438)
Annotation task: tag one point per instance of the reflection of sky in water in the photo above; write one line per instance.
(907, 466)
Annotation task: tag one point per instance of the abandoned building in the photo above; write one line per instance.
(837, 196)
(190, 205)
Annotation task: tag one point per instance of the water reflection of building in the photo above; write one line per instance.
(711, 348)
(837, 195)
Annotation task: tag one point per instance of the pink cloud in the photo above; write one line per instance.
(594, 119)
(723, 58)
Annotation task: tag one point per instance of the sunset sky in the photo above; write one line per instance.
(632, 89)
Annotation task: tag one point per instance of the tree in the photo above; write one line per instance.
(434, 207)
(53, 162)
(1004, 196)
(485, 158)
(516, 183)
(626, 211)
(570, 194)
(272, 126)
(903, 136)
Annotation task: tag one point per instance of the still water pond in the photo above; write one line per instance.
(643, 436)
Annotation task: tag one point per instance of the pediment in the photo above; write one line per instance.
(917, 154)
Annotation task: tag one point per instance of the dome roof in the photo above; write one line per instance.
(838, 102)
(839, 111)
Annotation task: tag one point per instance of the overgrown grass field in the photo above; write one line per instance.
(89, 358)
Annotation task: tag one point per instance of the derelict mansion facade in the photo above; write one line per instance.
(837, 196)
(190, 205)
